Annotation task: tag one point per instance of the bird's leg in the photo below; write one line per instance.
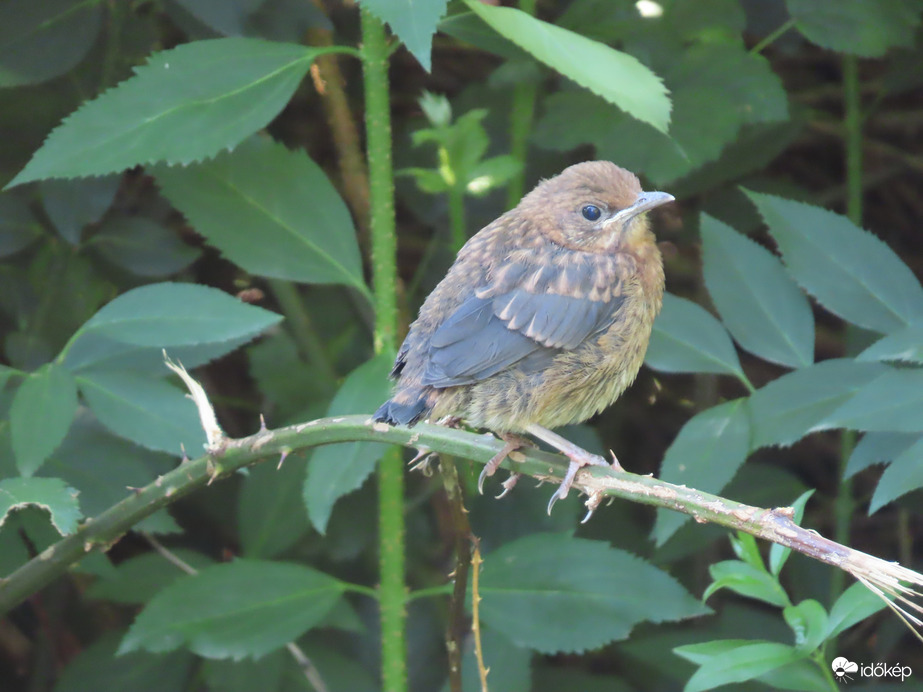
(511, 444)
(578, 456)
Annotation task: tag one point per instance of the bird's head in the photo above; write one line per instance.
(594, 206)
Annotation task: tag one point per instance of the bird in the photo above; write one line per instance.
(543, 319)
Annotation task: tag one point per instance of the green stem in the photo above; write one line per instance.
(461, 529)
(825, 671)
(457, 216)
(102, 531)
(773, 37)
(844, 505)
(853, 125)
(521, 114)
(308, 343)
(381, 182)
(393, 592)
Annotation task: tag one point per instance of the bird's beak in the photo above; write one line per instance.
(649, 200)
(645, 202)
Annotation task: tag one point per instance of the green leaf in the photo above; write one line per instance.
(687, 338)
(41, 40)
(147, 411)
(892, 402)
(98, 352)
(857, 27)
(186, 104)
(267, 673)
(554, 578)
(636, 145)
(736, 661)
(720, 22)
(877, 448)
(468, 28)
(747, 580)
(802, 675)
(717, 88)
(747, 550)
(904, 345)
(491, 173)
(808, 621)
(239, 609)
(18, 226)
(760, 304)
(510, 665)
(167, 314)
(552, 678)
(778, 554)
(850, 271)
(618, 77)
(50, 494)
(98, 667)
(852, 607)
(227, 17)
(414, 22)
(138, 579)
(41, 415)
(337, 469)
(903, 475)
(270, 210)
(705, 454)
(271, 514)
(104, 468)
(143, 247)
(802, 402)
(72, 204)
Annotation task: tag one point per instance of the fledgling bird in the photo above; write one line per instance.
(544, 318)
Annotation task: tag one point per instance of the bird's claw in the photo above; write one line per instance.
(421, 462)
(485, 472)
(576, 463)
(510, 444)
(509, 484)
(591, 504)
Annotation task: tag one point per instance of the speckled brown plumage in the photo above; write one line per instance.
(545, 315)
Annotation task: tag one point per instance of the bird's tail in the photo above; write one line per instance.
(406, 407)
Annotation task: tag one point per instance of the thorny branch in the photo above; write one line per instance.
(226, 456)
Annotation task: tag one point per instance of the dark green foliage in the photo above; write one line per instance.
(187, 158)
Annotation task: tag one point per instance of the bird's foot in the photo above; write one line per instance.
(511, 444)
(577, 462)
(591, 504)
(450, 422)
(509, 484)
(578, 456)
(422, 460)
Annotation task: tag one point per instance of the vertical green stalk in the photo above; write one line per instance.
(457, 216)
(845, 505)
(309, 344)
(393, 593)
(524, 95)
(853, 124)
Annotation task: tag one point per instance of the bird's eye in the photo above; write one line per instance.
(591, 212)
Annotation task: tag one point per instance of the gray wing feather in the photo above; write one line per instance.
(486, 335)
(473, 344)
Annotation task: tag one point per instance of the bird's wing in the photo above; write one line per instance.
(514, 317)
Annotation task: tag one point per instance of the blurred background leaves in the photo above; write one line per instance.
(194, 152)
